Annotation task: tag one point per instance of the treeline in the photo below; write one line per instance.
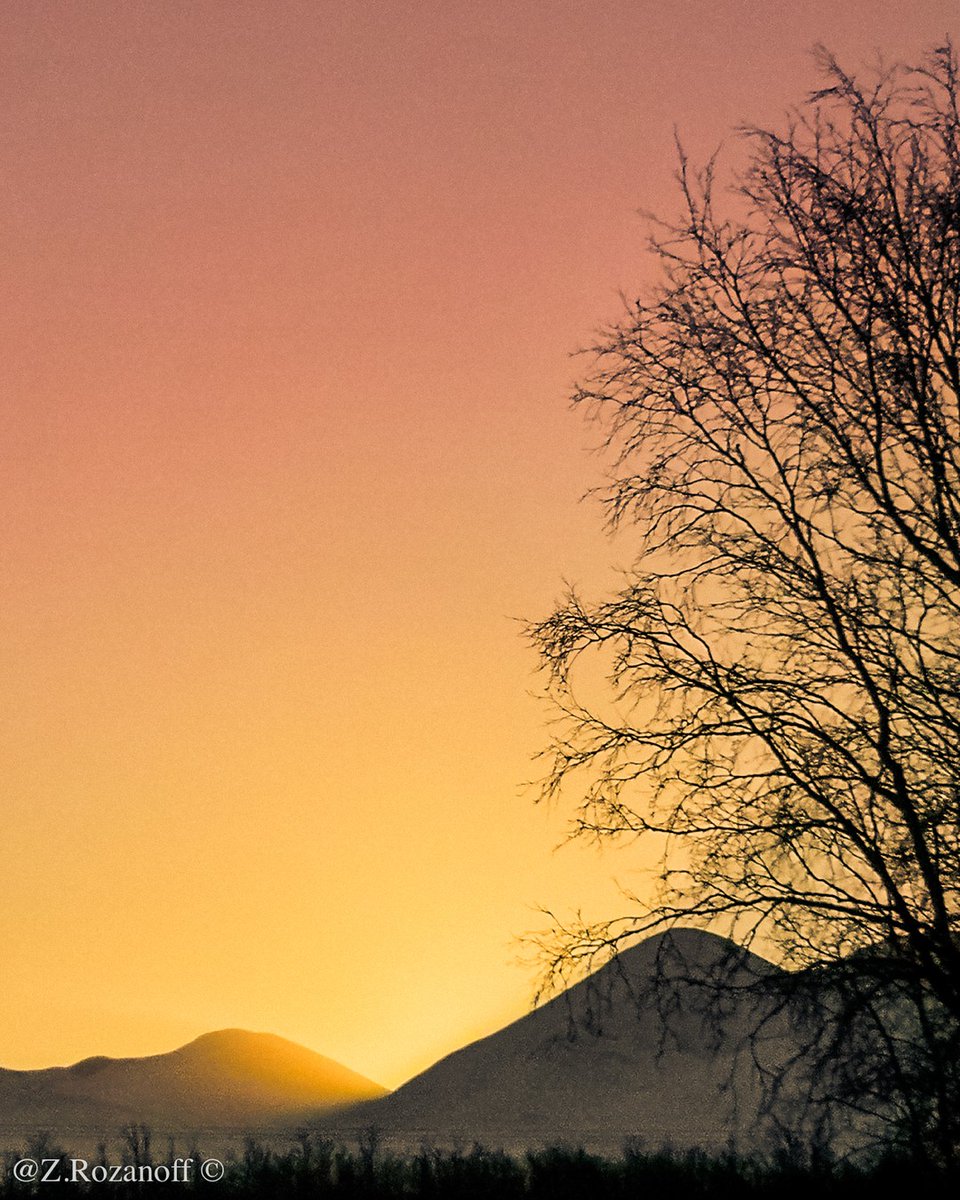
(321, 1168)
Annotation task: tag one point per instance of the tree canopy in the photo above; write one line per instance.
(782, 713)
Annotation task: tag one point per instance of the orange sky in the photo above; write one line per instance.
(289, 294)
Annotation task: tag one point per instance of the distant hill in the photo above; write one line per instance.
(229, 1079)
(659, 1046)
(684, 1040)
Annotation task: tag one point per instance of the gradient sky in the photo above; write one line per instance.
(289, 296)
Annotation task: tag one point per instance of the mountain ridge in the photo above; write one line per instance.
(224, 1079)
(658, 1046)
(683, 1039)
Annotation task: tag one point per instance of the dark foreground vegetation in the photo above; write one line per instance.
(321, 1168)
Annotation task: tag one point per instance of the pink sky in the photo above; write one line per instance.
(290, 293)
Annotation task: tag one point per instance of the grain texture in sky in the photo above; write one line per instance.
(289, 293)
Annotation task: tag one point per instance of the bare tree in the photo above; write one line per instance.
(781, 713)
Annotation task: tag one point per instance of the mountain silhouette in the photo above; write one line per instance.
(228, 1079)
(684, 1040)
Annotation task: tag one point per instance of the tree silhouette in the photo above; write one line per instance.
(780, 712)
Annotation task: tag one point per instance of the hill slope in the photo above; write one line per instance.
(658, 1045)
(231, 1078)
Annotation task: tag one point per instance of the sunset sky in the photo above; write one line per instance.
(290, 291)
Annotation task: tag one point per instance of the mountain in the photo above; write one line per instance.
(677, 1041)
(229, 1079)
(684, 1040)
